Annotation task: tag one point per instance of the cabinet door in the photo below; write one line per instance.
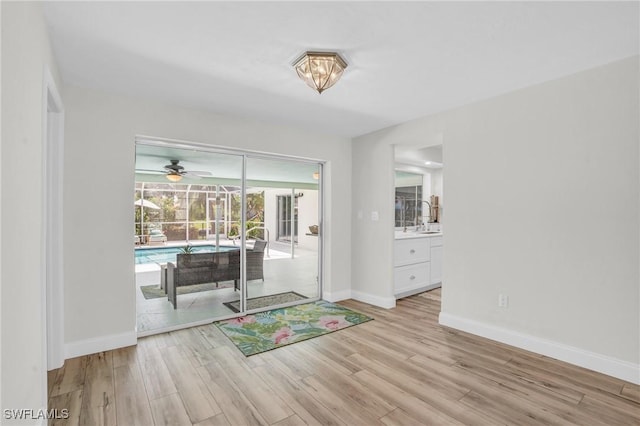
(411, 277)
(436, 265)
(411, 251)
(436, 241)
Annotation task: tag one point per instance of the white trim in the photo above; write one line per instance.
(591, 360)
(100, 344)
(382, 302)
(177, 327)
(52, 248)
(336, 296)
(420, 289)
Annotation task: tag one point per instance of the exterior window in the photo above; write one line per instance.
(284, 218)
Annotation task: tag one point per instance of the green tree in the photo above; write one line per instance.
(198, 207)
(145, 218)
(255, 213)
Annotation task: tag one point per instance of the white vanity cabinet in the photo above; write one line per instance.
(417, 264)
(412, 267)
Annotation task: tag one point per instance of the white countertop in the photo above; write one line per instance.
(401, 235)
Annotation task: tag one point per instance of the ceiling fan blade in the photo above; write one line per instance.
(150, 172)
(190, 175)
(200, 173)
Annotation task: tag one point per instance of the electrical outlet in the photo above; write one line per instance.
(503, 301)
(374, 216)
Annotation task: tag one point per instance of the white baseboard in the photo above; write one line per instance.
(417, 290)
(336, 296)
(100, 344)
(593, 361)
(382, 302)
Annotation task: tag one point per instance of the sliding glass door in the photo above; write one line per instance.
(228, 233)
(285, 228)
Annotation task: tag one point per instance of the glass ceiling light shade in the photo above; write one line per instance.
(174, 177)
(320, 70)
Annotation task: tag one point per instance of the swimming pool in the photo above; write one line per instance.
(168, 254)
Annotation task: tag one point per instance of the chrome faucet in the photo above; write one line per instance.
(429, 215)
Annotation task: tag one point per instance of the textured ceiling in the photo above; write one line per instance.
(406, 59)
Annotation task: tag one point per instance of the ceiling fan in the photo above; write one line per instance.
(175, 172)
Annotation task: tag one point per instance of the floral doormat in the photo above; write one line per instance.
(261, 332)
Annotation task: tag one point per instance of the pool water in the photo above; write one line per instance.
(168, 254)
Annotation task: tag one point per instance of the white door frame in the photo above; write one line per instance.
(52, 247)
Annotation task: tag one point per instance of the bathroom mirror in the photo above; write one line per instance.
(418, 176)
(408, 204)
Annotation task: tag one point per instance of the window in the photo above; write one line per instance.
(283, 231)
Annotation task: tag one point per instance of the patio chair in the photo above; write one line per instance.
(255, 261)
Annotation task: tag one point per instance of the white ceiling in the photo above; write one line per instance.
(406, 60)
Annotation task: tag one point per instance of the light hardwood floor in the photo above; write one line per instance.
(401, 369)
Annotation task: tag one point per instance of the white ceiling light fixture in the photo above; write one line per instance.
(174, 176)
(320, 70)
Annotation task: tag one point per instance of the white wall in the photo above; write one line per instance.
(373, 178)
(307, 214)
(99, 176)
(270, 210)
(560, 153)
(437, 184)
(25, 52)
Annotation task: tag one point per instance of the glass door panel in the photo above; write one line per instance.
(171, 215)
(283, 241)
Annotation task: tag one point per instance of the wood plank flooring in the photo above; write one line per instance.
(401, 369)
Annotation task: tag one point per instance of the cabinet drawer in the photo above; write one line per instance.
(436, 241)
(411, 277)
(411, 251)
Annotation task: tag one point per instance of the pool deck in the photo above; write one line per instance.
(282, 273)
